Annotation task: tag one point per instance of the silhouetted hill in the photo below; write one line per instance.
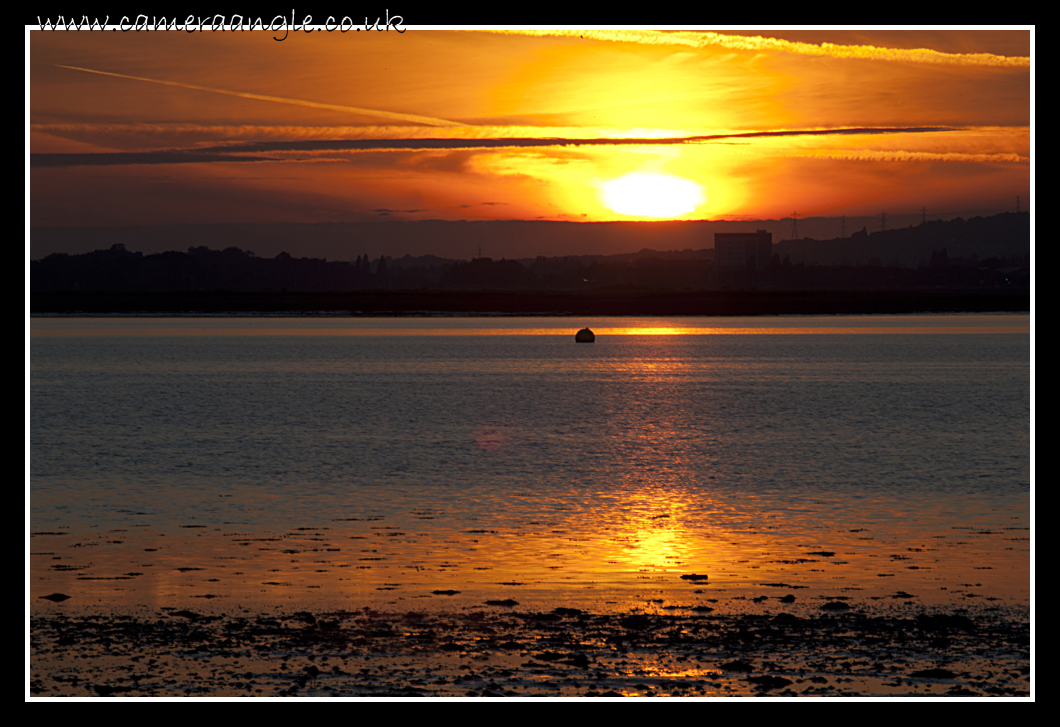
(459, 240)
(978, 253)
(1004, 235)
(1000, 235)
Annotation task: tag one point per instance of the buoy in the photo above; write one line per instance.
(584, 336)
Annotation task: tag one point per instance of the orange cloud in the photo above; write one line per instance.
(759, 43)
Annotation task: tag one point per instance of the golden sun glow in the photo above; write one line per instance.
(641, 194)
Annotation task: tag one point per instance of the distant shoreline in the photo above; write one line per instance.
(520, 303)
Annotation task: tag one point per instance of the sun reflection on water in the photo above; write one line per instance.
(543, 472)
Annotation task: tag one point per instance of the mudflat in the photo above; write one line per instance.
(835, 648)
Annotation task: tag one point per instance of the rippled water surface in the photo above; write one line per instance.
(350, 461)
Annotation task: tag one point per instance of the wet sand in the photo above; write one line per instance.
(838, 649)
(192, 611)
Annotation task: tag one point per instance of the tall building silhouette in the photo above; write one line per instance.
(745, 250)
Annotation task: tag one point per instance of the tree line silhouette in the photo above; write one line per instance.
(982, 252)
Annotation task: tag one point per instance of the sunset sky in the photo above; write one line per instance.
(171, 127)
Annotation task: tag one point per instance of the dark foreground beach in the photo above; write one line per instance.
(501, 651)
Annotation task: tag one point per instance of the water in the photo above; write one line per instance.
(350, 461)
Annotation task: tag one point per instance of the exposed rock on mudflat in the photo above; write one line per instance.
(568, 652)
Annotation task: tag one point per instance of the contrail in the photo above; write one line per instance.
(758, 43)
(430, 121)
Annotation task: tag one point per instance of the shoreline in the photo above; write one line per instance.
(632, 302)
(500, 652)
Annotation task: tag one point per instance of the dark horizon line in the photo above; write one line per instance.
(382, 220)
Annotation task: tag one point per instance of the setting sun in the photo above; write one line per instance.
(477, 362)
(652, 195)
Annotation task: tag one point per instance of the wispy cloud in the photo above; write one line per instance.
(411, 118)
(246, 151)
(898, 155)
(311, 149)
(187, 156)
(235, 132)
(759, 43)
